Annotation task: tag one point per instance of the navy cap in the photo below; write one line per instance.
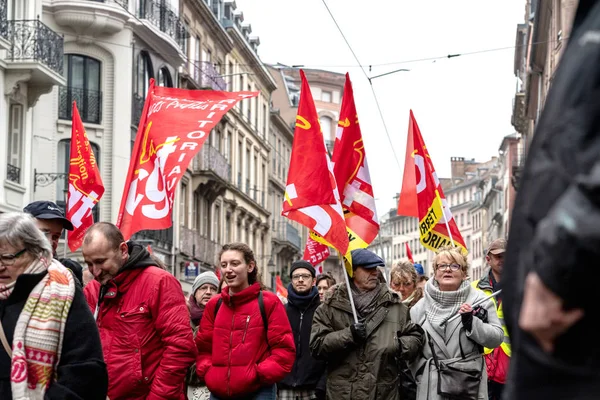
(366, 259)
(419, 269)
(48, 210)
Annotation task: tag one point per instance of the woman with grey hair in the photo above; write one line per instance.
(50, 343)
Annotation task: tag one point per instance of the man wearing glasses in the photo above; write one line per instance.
(498, 359)
(307, 379)
(51, 220)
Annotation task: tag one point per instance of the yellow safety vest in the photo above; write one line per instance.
(506, 341)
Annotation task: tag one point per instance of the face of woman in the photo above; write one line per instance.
(448, 273)
(322, 287)
(13, 262)
(235, 270)
(403, 286)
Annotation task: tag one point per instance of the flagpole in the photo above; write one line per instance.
(65, 245)
(349, 290)
(445, 219)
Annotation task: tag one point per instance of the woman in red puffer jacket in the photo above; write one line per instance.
(237, 356)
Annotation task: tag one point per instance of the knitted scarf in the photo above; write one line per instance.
(39, 333)
(440, 305)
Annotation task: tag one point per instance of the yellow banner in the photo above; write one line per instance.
(347, 257)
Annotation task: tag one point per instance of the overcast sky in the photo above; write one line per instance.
(462, 104)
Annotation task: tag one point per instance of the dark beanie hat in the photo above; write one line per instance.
(302, 264)
(366, 259)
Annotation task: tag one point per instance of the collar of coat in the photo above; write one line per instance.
(241, 297)
(337, 297)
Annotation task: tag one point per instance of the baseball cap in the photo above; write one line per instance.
(498, 246)
(48, 210)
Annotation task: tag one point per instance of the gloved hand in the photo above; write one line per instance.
(481, 313)
(467, 320)
(359, 332)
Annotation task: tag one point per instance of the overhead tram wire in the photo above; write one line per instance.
(387, 133)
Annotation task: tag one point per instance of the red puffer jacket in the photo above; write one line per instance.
(233, 355)
(145, 332)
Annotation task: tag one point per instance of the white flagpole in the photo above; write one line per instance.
(445, 219)
(349, 289)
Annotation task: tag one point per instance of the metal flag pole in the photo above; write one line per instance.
(349, 289)
(478, 302)
(437, 194)
(65, 245)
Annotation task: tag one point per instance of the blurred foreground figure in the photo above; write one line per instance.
(554, 242)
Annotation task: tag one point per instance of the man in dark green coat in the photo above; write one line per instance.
(362, 358)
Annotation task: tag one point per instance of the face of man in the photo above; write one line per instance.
(496, 262)
(103, 260)
(52, 229)
(302, 280)
(365, 279)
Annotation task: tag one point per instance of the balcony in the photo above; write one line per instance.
(34, 55)
(137, 107)
(4, 43)
(518, 164)
(163, 24)
(211, 171)
(207, 77)
(89, 103)
(286, 236)
(193, 245)
(91, 18)
(13, 173)
(519, 118)
(160, 238)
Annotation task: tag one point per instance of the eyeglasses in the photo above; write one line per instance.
(444, 267)
(9, 259)
(304, 277)
(405, 284)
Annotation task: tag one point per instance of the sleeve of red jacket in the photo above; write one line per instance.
(171, 321)
(204, 338)
(91, 291)
(281, 341)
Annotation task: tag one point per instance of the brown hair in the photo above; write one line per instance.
(455, 254)
(110, 232)
(404, 270)
(326, 276)
(248, 255)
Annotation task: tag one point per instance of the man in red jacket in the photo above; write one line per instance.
(141, 315)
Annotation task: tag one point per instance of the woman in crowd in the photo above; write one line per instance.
(324, 282)
(204, 288)
(453, 345)
(43, 312)
(245, 342)
(403, 280)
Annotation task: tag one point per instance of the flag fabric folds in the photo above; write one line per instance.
(422, 195)
(409, 253)
(311, 196)
(352, 175)
(85, 183)
(315, 252)
(280, 289)
(174, 125)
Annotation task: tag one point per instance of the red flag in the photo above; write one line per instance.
(281, 291)
(311, 195)
(319, 269)
(408, 253)
(432, 208)
(174, 125)
(149, 248)
(315, 252)
(218, 272)
(85, 183)
(352, 175)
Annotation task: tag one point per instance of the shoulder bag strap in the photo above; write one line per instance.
(263, 314)
(4, 341)
(433, 354)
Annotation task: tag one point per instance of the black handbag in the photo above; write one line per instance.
(459, 379)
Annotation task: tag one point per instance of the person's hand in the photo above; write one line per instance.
(466, 316)
(359, 332)
(542, 313)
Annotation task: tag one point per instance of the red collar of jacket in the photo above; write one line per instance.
(121, 283)
(245, 296)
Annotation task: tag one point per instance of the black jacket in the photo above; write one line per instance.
(81, 371)
(555, 230)
(307, 373)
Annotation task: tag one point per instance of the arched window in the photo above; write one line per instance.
(144, 72)
(164, 77)
(326, 125)
(82, 74)
(64, 153)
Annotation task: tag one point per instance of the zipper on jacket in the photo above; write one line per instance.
(246, 329)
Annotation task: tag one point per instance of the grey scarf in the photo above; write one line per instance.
(365, 302)
(440, 305)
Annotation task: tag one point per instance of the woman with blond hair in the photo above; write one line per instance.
(403, 280)
(452, 364)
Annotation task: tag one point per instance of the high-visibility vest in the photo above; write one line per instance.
(506, 341)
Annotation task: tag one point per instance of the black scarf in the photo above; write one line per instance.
(301, 301)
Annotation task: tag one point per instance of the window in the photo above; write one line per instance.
(183, 205)
(326, 96)
(82, 74)
(217, 224)
(143, 74)
(249, 107)
(240, 158)
(164, 77)
(64, 157)
(15, 143)
(326, 124)
(266, 123)
(248, 170)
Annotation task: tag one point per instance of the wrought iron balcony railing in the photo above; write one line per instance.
(89, 103)
(165, 19)
(32, 40)
(194, 245)
(287, 232)
(3, 21)
(13, 173)
(209, 159)
(162, 238)
(207, 76)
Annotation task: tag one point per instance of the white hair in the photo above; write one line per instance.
(19, 230)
